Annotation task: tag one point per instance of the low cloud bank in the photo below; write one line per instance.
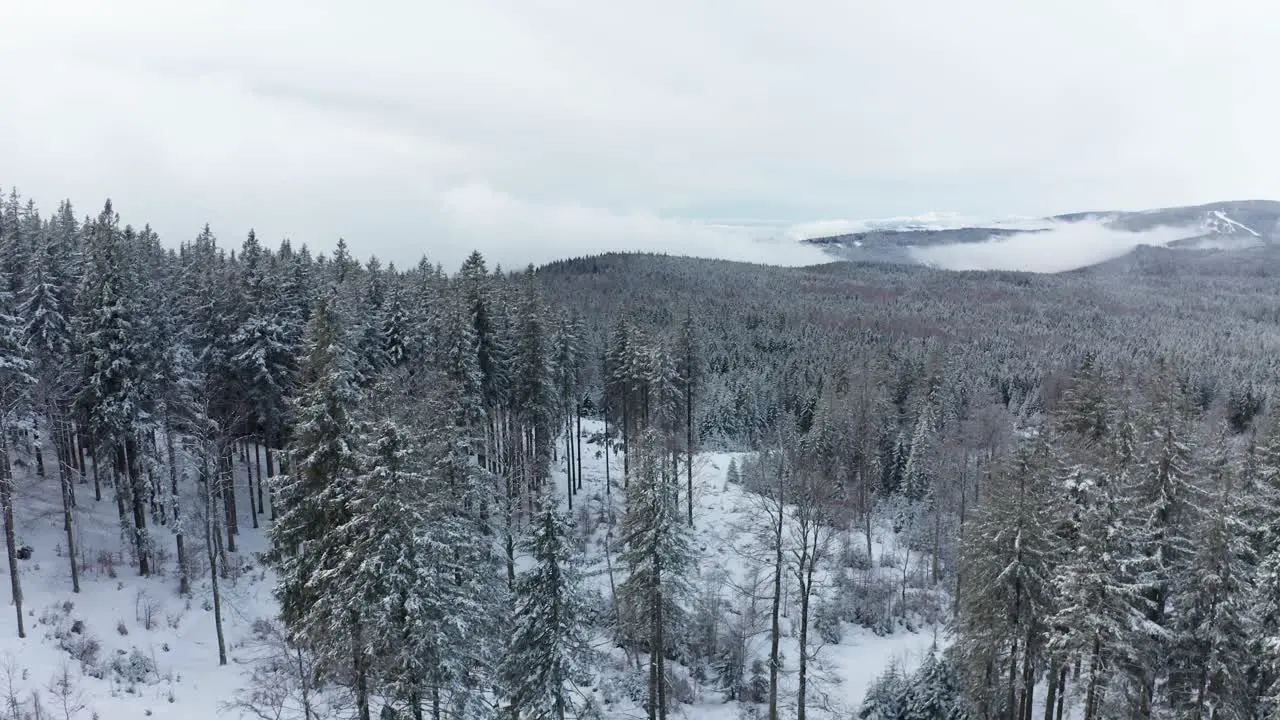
(1058, 248)
(513, 232)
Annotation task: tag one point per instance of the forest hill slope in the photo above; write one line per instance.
(770, 334)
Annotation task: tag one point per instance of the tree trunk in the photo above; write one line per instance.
(806, 591)
(626, 453)
(257, 472)
(305, 686)
(1012, 693)
(10, 543)
(97, 484)
(1052, 690)
(118, 485)
(139, 507)
(227, 481)
(248, 478)
(359, 664)
(67, 448)
(935, 567)
(660, 650)
(577, 441)
(35, 446)
(1028, 681)
(68, 516)
(510, 539)
(568, 464)
(1091, 693)
(1062, 691)
(77, 449)
(212, 539)
(179, 532)
(688, 426)
(271, 474)
(775, 634)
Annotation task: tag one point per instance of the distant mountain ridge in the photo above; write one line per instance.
(1220, 226)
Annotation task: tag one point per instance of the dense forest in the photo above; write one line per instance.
(1088, 462)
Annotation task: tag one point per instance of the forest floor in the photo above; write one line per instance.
(726, 517)
(149, 652)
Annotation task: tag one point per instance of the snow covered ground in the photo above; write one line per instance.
(157, 653)
(723, 516)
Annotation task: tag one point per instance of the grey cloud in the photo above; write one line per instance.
(323, 118)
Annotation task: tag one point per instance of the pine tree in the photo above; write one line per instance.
(549, 651)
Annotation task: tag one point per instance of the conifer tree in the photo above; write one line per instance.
(315, 502)
(1007, 562)
(1213, 620)
(15, 385)
(934, 692)
(887, 697)
(689, 368)
(1165, 493)
(549, 651)
(659, 558)
(47, 335)
(112, 397)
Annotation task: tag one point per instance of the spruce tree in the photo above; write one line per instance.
(934, 692)
(15, 385)
(47, 333)
(112, 400)
(1213, 621)
(315, 503)
(549, 651)
(887, 697)
(1007, 563)
(659, 558)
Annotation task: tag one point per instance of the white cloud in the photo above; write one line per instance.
(367, 120)
(1057, 248)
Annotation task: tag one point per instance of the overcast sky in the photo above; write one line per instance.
(534, 129)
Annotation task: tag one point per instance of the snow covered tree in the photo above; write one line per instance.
(549, 651)
(659, 558)
(47, 333)
(689, 369)
(315, 502)
(15, 385)
(535, 385)
(933, 692)
(1007, 564)
(262, 347)
(886, 699)
(1213, 620)
(1166, 491)
(112, 402)
(1100, 601)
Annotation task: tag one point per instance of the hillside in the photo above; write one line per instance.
(132, 647)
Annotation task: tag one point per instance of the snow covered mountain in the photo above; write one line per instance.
(1087, 238)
